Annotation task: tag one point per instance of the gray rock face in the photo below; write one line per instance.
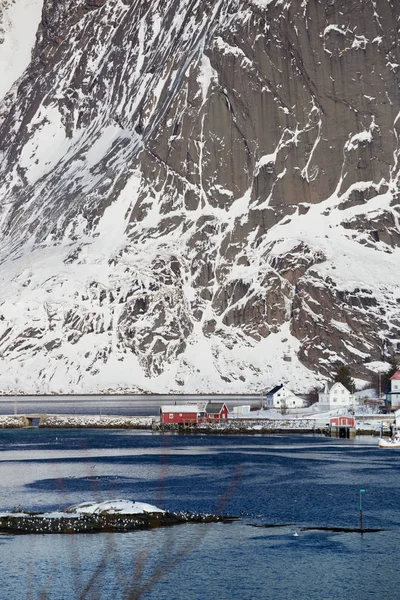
(201, 195)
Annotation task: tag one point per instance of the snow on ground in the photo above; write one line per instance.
(19, 37)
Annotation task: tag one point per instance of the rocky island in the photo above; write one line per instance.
(110, 516)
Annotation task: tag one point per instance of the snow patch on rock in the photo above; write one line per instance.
(112, 507)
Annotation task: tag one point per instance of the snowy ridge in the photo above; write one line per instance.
(196, 197)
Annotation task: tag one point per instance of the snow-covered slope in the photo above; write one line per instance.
(19, 20)
(200, 196)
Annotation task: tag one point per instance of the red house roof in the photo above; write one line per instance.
(396, 375)
(180, 408)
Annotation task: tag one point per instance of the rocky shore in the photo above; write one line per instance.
(76, 421)
(228, 427)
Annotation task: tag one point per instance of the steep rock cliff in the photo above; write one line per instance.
(200, 195)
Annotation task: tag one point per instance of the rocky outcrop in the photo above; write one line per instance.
(201, 196)
(42, 524)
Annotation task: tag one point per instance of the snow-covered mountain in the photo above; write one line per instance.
(197, 195)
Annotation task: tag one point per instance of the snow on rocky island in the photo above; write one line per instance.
(93, 517)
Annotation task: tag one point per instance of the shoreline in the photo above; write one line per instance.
(255, 426)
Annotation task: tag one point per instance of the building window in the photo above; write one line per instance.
(171, 415)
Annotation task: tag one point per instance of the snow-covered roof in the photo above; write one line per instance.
(214, 407)
(181, 408)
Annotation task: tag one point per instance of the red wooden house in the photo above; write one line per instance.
(184, 413)
(216, 410)
(193, 413)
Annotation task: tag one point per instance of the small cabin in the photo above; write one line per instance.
(342, 426)
(342, 421)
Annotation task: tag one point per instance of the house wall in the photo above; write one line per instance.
(275, 401)
(342, 421)
(294, 402)
(223, 414)
(337, 397)
(394, 399)
(179, 417)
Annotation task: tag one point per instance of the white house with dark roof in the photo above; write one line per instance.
(337, 396)
(281, 397)
(393, 397)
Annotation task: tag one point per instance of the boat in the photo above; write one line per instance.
(393, 442)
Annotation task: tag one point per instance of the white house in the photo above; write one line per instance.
(281, 397)
(393, 397)
(338, 396)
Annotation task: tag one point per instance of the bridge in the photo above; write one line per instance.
(33, 420)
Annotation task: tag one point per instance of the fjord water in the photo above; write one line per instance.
(289, 481)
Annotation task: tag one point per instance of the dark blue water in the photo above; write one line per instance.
(291, 481)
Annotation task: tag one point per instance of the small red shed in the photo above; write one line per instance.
(342, 421)
(184, 413)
